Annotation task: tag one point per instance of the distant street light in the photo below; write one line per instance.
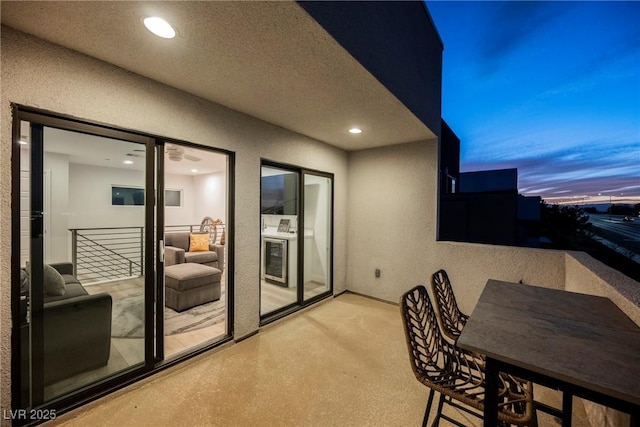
(610, 204)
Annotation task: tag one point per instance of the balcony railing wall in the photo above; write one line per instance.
(471, 265)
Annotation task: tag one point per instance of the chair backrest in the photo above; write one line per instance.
(451, 319)
(424, 340)
(177, 239)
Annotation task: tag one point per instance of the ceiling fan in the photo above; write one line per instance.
(177, 153)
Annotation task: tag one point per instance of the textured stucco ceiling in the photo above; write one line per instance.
(270, 60)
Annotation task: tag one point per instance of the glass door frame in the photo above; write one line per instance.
(329, 291)
(153, 217)
(300, 300)
(160, 360)
(39, 119)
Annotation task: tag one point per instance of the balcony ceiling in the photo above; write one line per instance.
(270, 60)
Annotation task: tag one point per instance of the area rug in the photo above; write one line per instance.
(127, 319)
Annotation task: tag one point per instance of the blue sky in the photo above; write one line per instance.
(552, 88)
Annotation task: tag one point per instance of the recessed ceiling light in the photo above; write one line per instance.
(22, 142)
(159, 27)
(128, 162)
(355, 130)
(194, 170)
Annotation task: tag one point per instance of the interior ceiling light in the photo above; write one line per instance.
(355, 130)
(22, 142)
(159, 27)
(194, 170)
(128, 162)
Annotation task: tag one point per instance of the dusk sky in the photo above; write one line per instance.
(552, 88)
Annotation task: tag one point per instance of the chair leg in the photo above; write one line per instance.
(436, 421)
(534, 418)
(425, 420)
(567, 403)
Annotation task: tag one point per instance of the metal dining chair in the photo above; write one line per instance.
(454, 373)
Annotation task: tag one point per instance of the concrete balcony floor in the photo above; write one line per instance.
(341, 363)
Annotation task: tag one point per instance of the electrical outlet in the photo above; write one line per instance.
(377, 272)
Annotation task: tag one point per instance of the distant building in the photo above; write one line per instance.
(489, 181)
(449, 160)
(488, 209)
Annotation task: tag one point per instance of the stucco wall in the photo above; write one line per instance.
(589, 276)
(391, 221)
(470, 265)
(39, 74)
(392, 226)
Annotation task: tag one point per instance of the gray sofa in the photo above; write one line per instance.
(176, 251)
(77, 329)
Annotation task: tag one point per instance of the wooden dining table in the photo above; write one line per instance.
(583, 345)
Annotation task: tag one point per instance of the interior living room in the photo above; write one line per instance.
(94, 227)
(309, 89)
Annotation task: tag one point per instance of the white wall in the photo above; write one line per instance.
(391, 223)
(181, 215)
(210, 195)
(39, 74)
(90, 197)
(56, 168)
(80, 197)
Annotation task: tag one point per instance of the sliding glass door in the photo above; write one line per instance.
(81, 260)
(193, 273)
(279, 237)
(121, 261)
(317, 234)
(296, 238)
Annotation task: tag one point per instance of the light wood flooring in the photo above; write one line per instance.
(132, 349)
(177, 344)
(273, 297)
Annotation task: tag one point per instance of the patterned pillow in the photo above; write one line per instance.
(198, 242)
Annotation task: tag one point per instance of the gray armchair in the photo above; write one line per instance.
(176, 251)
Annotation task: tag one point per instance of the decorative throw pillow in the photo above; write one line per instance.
(198, 242)
(53, 281)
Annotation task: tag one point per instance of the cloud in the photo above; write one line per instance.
(595, 169)
(554, 140)
(509, 25)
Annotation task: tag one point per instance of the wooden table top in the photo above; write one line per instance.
(580, 339)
